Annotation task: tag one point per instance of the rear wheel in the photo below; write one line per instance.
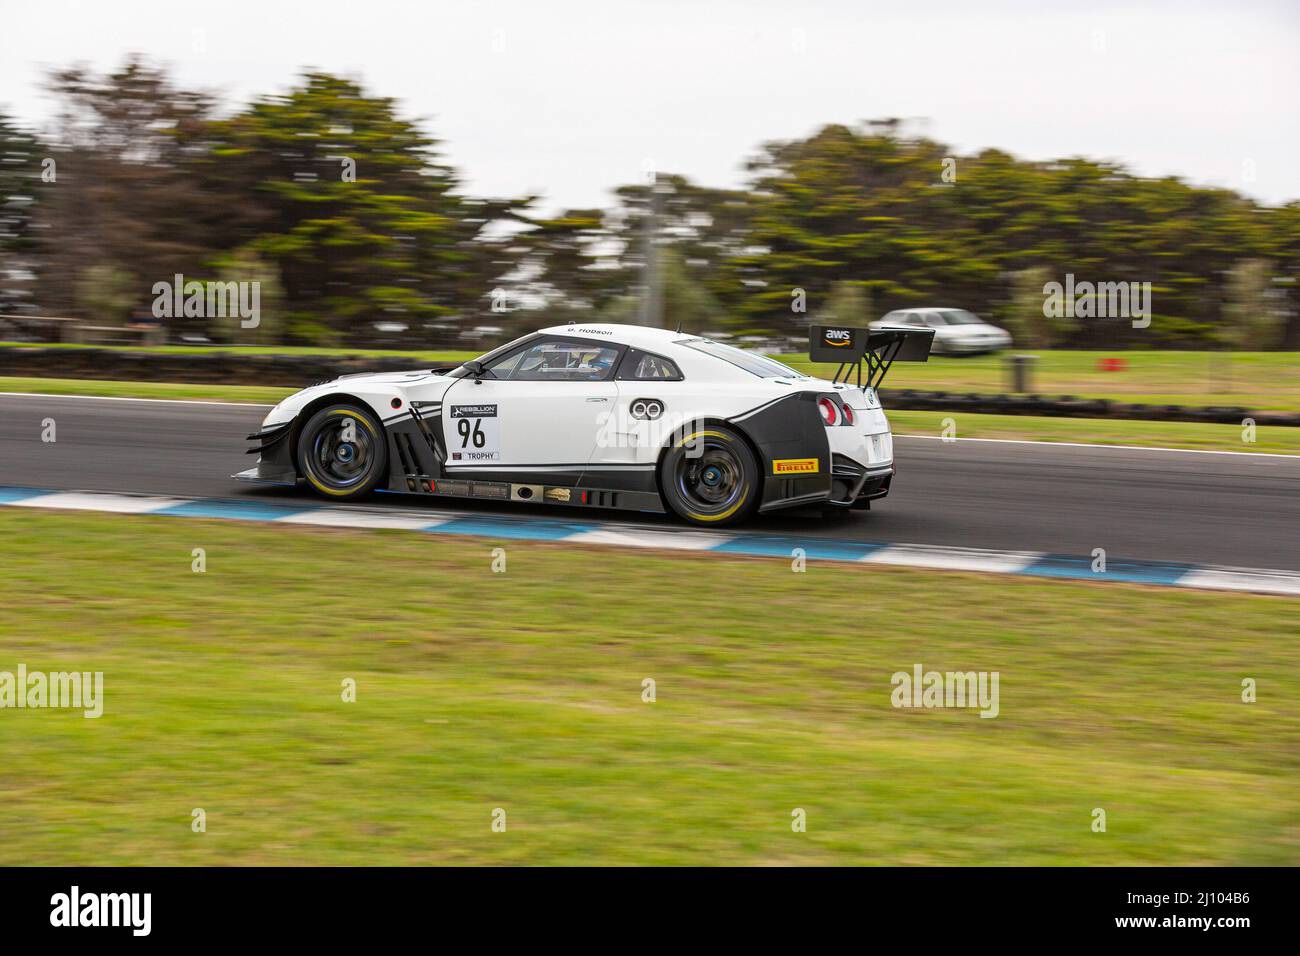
(342, 452)
(710, 476)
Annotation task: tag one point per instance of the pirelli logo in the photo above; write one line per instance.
(794, 466)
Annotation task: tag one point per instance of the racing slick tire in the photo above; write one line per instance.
(710, 476)
(342, 452)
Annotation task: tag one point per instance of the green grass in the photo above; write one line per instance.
(1259, 381)
(1276, 439)
(429, 355)
(175, 391)
(523, 691)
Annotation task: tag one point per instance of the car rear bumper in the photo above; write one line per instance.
(854, 484)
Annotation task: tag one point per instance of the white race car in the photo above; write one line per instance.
(603, 416)
(956, 331)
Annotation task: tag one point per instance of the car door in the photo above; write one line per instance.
(649, 403)
(537, 409)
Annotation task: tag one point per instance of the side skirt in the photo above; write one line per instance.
(533, 493)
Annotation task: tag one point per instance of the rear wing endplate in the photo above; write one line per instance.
(878, 349)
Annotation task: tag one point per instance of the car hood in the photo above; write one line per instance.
(386, 378)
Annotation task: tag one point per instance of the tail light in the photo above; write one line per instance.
(827, 408)
(848, 415)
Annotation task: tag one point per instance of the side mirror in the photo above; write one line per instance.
(475, 368)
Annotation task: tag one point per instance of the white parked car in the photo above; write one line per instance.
(601, 416)
(956, 331)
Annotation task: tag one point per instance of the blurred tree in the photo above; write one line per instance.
(595, 259)
(20, 192)
(353, 209)
(934, 228)
(849, 303)
(846, 204)
(124, 196)
(1252, 320)
(365, 222)
(573, 258)
(105, 294)
(688, 302)
(1284, 249)
(1026, 319)
(246, 266)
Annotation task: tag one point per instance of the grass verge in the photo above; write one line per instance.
(523, 691)
(1275, 439)
(175, 391)
(1259, 381)
(1202, 436)
(434, 356)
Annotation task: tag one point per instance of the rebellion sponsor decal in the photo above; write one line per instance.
(473, 411)
(475, 433)
(795, 466)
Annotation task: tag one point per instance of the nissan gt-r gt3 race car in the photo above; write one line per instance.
(604, 416)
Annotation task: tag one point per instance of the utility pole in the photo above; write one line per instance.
(652, 302)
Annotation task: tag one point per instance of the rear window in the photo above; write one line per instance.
(751, 362)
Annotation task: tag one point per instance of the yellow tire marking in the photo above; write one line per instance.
(726, 514)
(707, 434)
(743, 498)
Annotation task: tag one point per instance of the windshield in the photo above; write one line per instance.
(961, 317)
(460, 371)
(751, 362)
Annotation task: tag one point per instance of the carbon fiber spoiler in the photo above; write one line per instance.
(877, 348)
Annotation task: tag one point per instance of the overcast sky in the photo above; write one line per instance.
(571, 99)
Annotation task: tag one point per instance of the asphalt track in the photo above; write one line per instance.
(1156, 505)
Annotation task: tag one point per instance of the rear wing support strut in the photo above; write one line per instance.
(879, 349)
(877, 363)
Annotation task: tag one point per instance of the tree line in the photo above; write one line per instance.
(358, 231)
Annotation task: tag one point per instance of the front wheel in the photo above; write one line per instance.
(342, 452)
(710, 476)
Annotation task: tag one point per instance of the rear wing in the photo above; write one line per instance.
(877, 348)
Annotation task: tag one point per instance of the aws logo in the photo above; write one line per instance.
(838, 338)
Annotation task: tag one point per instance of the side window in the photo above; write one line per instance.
(641, 366)
(556, 360)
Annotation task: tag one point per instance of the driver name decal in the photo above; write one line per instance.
(475, 434)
